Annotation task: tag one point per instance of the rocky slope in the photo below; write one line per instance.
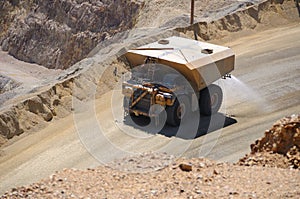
(57, 34)
(266, 14)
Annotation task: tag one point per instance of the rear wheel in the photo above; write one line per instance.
(179, 111)
(210, 99)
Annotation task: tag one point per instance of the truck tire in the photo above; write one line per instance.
(179, 111)
(210, 100)
(125, 102)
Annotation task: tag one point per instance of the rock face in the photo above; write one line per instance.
(59, 33)
(280, 147)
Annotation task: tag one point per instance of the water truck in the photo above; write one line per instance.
(176, 75)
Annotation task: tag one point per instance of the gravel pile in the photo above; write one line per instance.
(280, 147)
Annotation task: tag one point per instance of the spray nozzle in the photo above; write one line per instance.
(226, 76)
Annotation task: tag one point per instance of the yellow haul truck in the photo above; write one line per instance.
(176, 74)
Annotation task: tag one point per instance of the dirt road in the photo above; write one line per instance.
(26, 75)
(264, 88)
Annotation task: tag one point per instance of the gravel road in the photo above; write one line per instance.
(265, 87)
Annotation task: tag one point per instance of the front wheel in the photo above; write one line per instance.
(210, 99)
(179, 111)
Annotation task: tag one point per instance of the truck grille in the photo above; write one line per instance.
(144, 103)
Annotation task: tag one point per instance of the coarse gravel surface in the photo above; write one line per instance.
(203, 179)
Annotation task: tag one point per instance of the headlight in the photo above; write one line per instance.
(160, 99)
(169, 99)
(168, 95)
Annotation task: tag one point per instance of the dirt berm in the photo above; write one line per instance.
(93, 76)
